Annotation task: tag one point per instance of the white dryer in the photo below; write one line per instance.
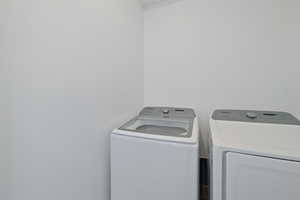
(155, 156)
(254, 155)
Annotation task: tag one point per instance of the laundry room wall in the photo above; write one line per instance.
(5, 113)
(5, 134)
(223, 54)
(70, 72)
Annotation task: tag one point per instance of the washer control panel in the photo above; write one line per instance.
(257, 116)
(168, 112)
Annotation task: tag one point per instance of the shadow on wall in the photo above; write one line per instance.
(148, 4)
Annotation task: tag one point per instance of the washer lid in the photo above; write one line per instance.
(165, 127)
(163, 123)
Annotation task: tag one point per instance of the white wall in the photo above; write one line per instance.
(75, 72)
(5, 112)
(223, 54)
(5, 131)
(147, 4)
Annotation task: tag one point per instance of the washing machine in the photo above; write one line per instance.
(254, 155)
(155, 156)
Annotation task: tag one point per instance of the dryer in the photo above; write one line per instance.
(155, 155)
(254, 155)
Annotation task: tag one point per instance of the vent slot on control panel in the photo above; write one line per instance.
(270, 114)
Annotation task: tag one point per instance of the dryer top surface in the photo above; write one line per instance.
(257, 134)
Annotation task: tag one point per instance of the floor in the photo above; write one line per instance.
(203, 192)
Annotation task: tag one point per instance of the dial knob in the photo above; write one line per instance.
(166, 111)
(251, 115)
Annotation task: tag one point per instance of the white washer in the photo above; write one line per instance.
(155, 156)
(254, 155)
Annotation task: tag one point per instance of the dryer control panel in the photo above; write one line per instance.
(273, 117)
